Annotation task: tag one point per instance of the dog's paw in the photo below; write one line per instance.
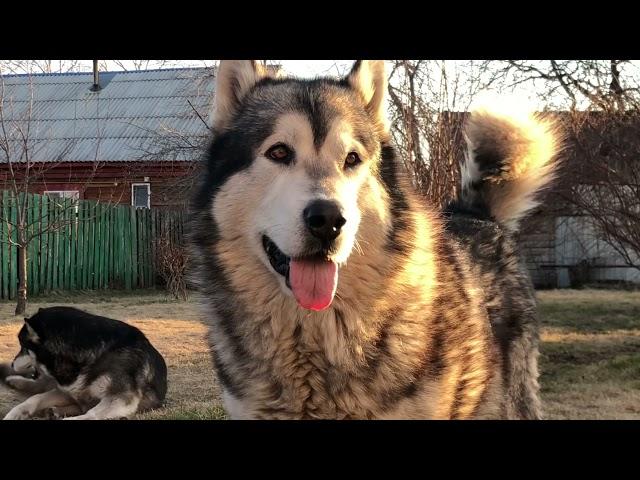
(52, 413)
(17, 381)
(18, 413)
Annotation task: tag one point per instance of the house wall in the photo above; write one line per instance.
(578, 245)
(563, 251)
(169, 181)
(537, 244)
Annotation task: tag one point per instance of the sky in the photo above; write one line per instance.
(301, 68)
(311, 68)
(308, 68)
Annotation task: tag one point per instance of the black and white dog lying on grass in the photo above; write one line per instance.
(81, 366)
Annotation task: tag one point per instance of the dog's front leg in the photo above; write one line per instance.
(29, 385)
(111, 407)
(32, 405)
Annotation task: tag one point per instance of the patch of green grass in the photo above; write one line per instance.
(590, 317)
(590, 354)
(564, 365)
(590, 310)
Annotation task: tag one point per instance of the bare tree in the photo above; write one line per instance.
(428, 101)
(41, 66)
(171, 258)
(20, 172)
(138, 64)
(568, 85)
(604, 183)
(23, 147)
(599, 108)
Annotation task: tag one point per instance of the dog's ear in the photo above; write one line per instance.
(33, 336)
(234, 79)
(369, 79)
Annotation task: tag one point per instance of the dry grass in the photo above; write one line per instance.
(590, 358)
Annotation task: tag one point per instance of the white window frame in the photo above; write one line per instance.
(133, 198)
(65, 193)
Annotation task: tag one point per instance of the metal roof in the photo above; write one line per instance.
(138, 115)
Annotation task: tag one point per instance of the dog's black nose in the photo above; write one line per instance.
(324, 219)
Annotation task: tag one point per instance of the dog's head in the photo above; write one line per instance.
(291, 159)
(25, 362)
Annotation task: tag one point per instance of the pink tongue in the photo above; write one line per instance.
(313, 283)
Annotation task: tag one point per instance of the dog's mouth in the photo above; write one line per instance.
(313, 279)
(278, 260)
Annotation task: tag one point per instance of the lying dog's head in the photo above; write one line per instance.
(25, 362)
(290, 161)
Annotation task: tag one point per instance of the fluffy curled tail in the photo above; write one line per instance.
(510, 159)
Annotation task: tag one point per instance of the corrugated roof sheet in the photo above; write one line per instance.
(136, 116)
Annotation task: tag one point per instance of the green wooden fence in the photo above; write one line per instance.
(80, 245)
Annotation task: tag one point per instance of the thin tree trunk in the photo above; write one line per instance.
(21, 306)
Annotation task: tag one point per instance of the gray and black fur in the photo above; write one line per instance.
(103, 367)
(433, 319)
(26, 383)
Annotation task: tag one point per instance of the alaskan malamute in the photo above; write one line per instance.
(332, 290)
(84, 367)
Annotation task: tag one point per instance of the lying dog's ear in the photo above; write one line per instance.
(369, 79)
(234, 79)
(33, 336)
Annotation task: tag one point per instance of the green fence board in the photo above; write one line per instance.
(77, 245)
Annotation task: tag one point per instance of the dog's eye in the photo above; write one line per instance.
(280, 153)
(351, 161)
